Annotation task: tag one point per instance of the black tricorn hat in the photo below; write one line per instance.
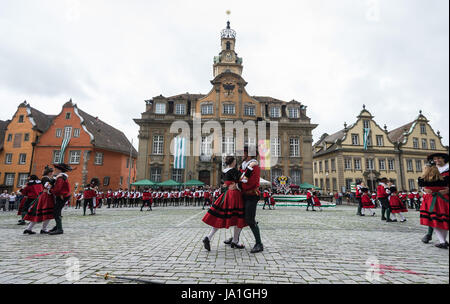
(439, 154)
(382, 179)
(63, 167)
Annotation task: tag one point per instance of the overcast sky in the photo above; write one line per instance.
(333, 56)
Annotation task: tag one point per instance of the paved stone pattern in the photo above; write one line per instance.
(165, 246)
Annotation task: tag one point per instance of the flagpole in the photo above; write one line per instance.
(129, 166)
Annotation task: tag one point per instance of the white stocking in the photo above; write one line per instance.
(31, 225)
(441, 234)
(211, 234)
(45, 224)
(237, 233)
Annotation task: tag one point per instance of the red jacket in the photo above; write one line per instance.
(32, 190)
(146, 196)
(61, 187)
(365, 198)
(253, 181)
(381, 191)
(89, 193)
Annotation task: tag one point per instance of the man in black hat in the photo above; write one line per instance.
(61, 191)
(383, 197)
(441, 162)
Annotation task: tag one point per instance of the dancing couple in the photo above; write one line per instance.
(236, 206)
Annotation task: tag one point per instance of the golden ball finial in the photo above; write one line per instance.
(228, 12)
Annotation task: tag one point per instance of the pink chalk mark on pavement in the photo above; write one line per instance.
(392, 268)
(45, 254)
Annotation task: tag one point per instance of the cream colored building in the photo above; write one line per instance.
(341, 158)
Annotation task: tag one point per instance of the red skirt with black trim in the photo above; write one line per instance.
(396, 205)
(439, 216)
(22, 203)
(42, 209)
(228, 213)
(317, 203)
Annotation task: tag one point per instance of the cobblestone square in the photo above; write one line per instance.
(164, 245)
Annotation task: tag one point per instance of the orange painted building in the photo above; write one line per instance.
(18, 139)
(94, 149)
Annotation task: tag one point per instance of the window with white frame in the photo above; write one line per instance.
(293, 112)
(380, 141)
(74, 157)
(98, 160)
(355, 139)
(347, 163)
(67, 115)
(382, 164)
(415, 143)
(9, 138)
(326, 166)
(276, 173)
(228, 145)
(58, 132)
(106, 180)
(155, 174)
(432, 144)
(423, 128)
(76, 132)
(207, 109)
(23, 178)
(9, 179)
(158, 144)
(320, 167)
(22, 159)
(56, 157)
(370, 164)
(294, 147)
(333, 165)
(334, 180)
(206, 145)
(8, 158)
(249, 110)
(177, 175)
(296, 176)
(228, 109)
(411, 184)
(315, 167)
(357, 162)
(348, 184)
(366, 123)
(409, 165)
(180, 109)
(67, 132)
(418, 165)
(424, 144)
(391, 164)
(275, 146)
(275, 112)
(160, 108)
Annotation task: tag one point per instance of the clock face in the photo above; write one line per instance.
(228, 56)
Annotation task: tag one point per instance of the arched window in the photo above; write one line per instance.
(228, 45)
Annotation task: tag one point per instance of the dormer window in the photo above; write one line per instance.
(293, 112)
(423, 128)
(160, 108)
(68, 115)
(275, 112)
(180, 109)
(366, 124)
(21, 118)
(249, 110)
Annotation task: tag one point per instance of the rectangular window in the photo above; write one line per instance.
(327, 184)
(320, 167)
(366, 124)
(74, 157)
(411, 184)
(58, 132)
(321, 183)
(206, 146)
(418, 165)
(21, 118)
(23, 177)
(333, 165)
(275, 112)
(8, 158)
(391, 164)
(293, 112)
(432, 144)
(294, 147)
(296, 176)
(409, 165)
(106, 181)
(415, 143)
(228, 145)
(357, 163)
(315, 167)
(9, 179)
(334, 180)
(228, 109)
(76, 132)
(56, 157)
(67, 132)
(348, 184)
(155, 174)
(22, 159)
(17, 140)
(275, 146)
(207, 109)
(423, 129)
(380, 142)
(382, 164)
(160, 108)
(26, 137)
(347, 163)
(9, 137)
(370, 164)
(355, 139)
(158, 144)
(316, 182)
(249, 111)
(276, 173)
(177, 175)
(326, 166)
(99, 158)
(180, 109)
(424, 144)
(121, 180)
(67, 115)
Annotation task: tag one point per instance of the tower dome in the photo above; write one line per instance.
(228, 32)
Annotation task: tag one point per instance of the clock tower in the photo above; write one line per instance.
(227, 61)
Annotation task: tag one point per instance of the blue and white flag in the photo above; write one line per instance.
(179, 153)
(366, 137)
(64, 144)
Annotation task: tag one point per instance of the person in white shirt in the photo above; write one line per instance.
(12, 201)
(4, 197)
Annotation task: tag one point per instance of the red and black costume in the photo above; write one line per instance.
(228, 209)
(61, 191)
(434, 211)
(31, 193)
(43, 208)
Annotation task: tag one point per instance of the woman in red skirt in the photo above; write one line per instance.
(366, 202)
(434, 211)
(228, 209)
(42, 208)
(396, 204)
(316, 200)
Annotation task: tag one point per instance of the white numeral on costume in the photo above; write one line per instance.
(73, 269)
(373, 272)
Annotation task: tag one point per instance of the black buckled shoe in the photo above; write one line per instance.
(21, 223)
(442, 245)
(56, 232)
(53, 229)
(426, 239)
(238, 246)
(257, 248)
(228, 241)
(44, 232)
(28, 232)
(206, 243)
